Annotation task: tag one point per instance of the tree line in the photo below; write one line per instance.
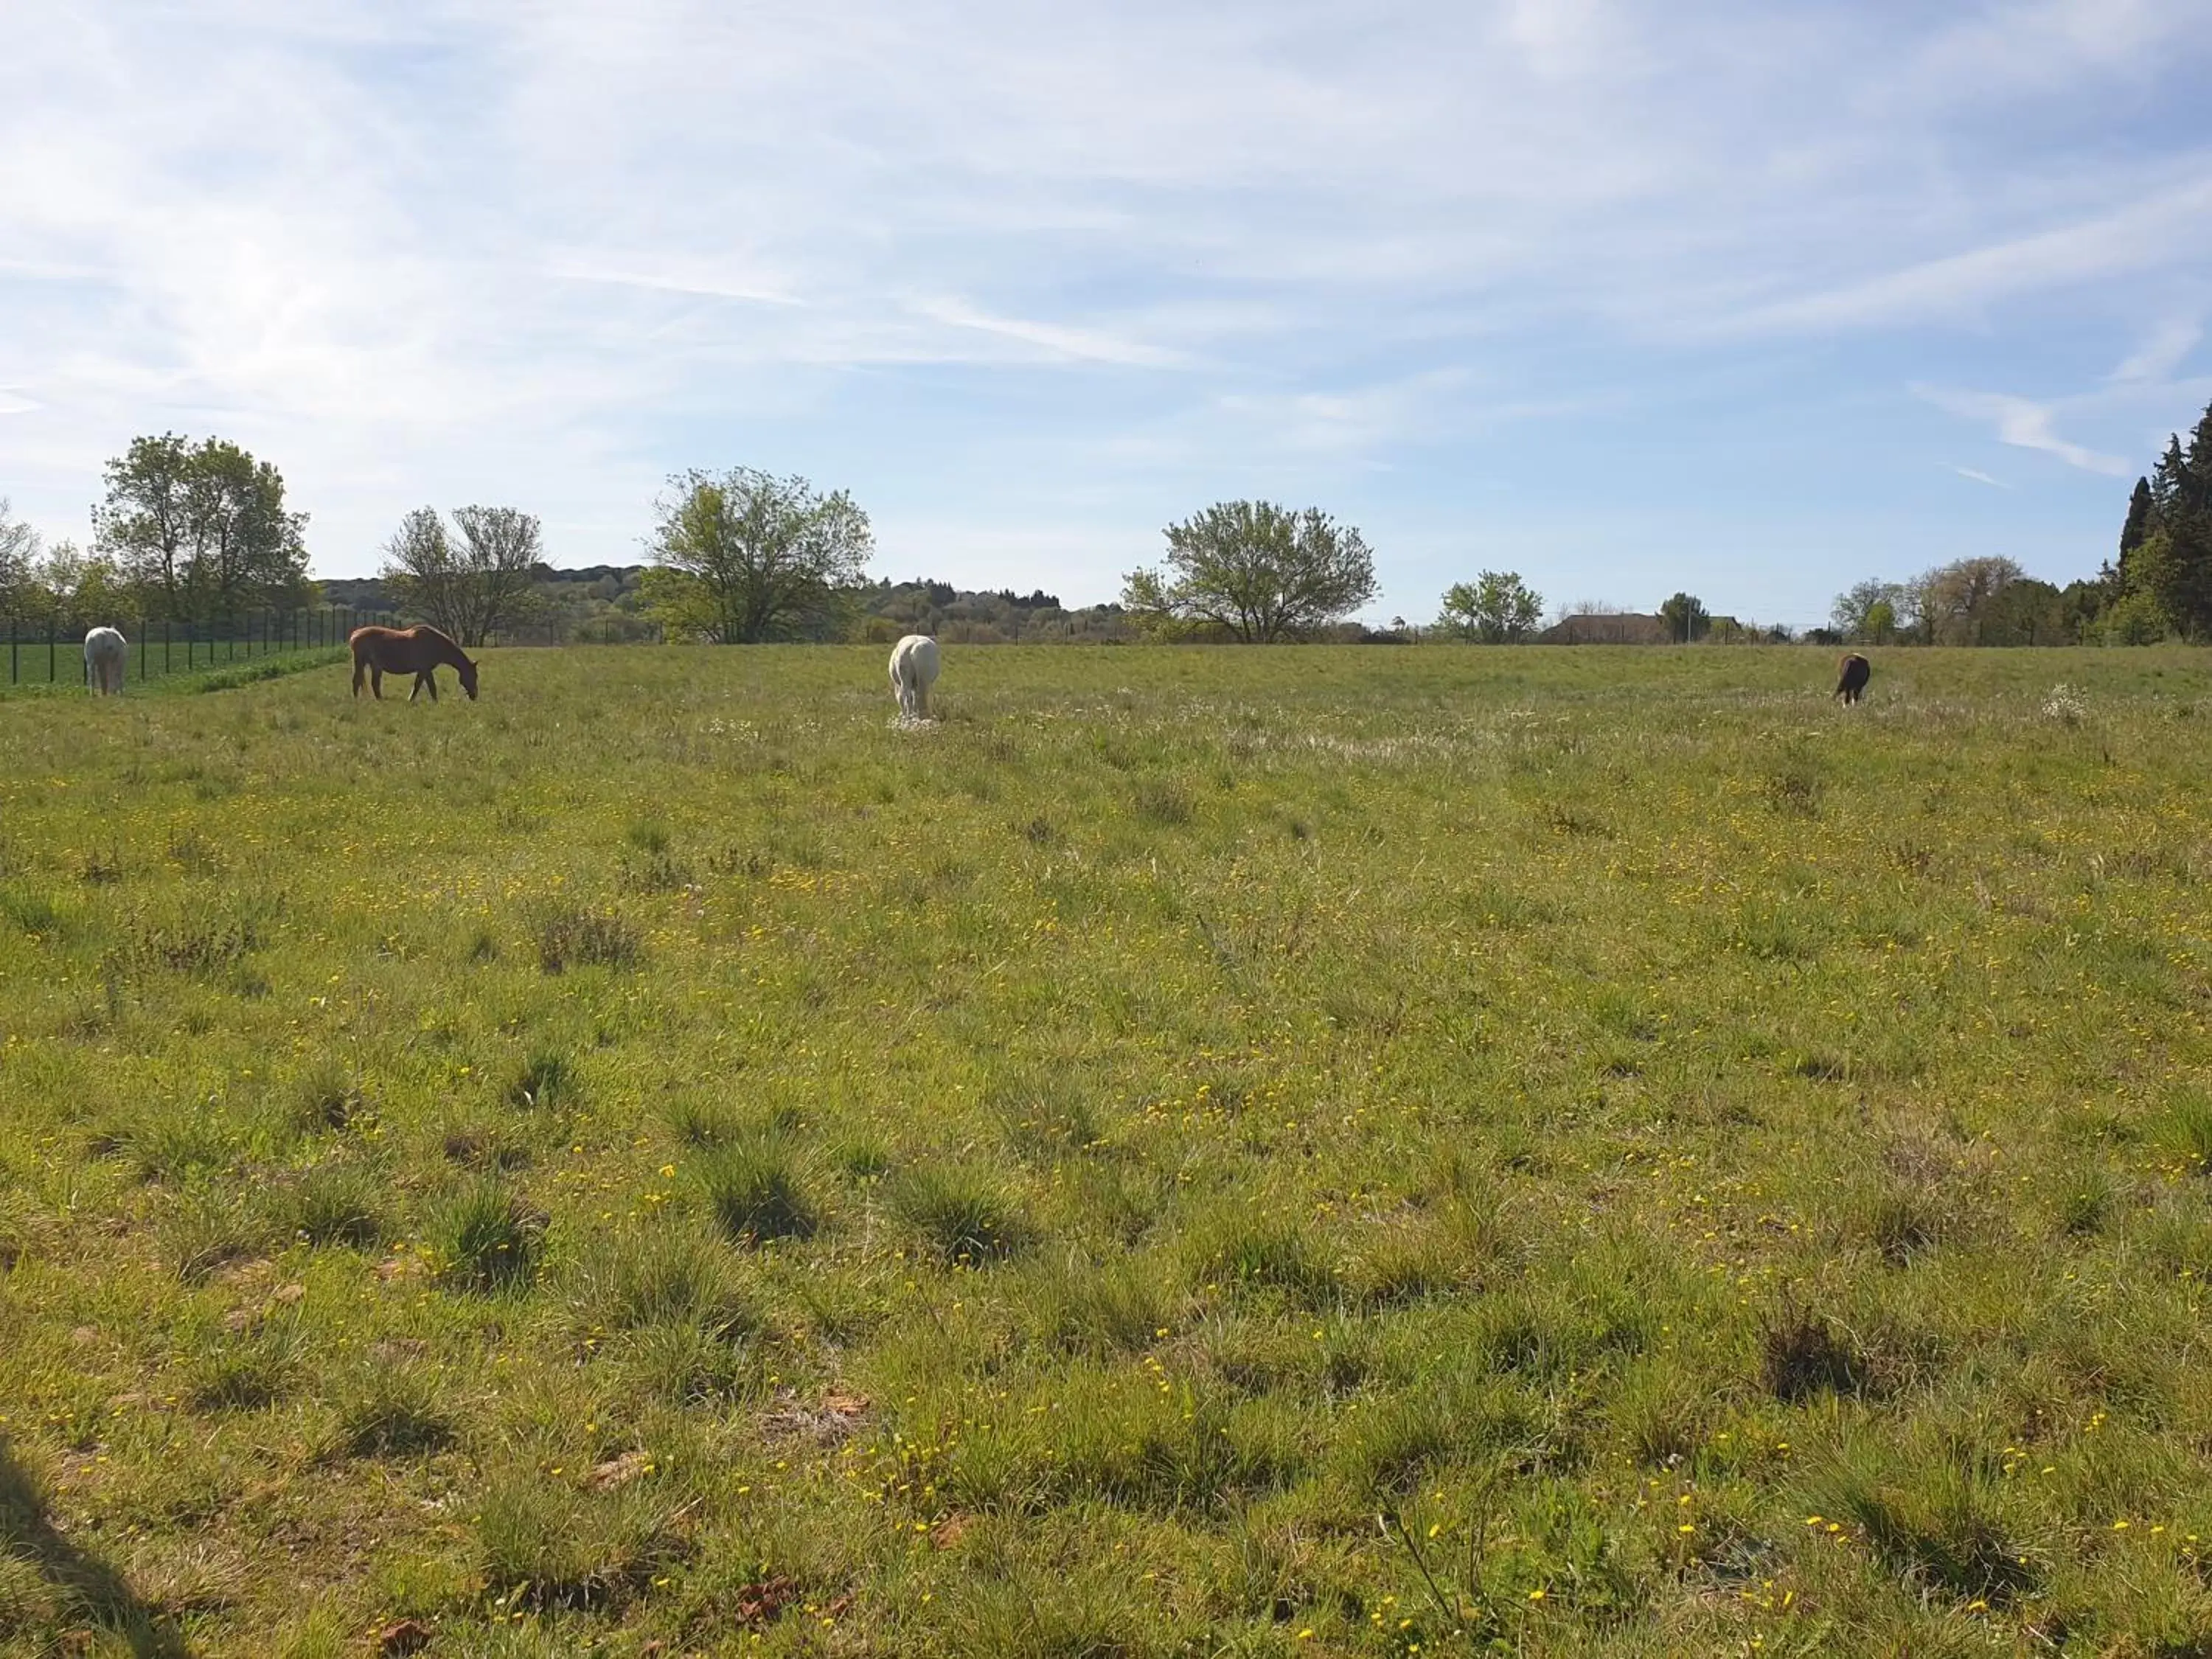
(2158, 587)
(199, 530)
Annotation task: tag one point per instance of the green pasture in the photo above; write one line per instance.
(1204, 1152)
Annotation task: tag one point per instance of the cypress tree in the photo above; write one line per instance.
(2142, 519)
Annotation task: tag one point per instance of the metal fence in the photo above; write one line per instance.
(47, 650)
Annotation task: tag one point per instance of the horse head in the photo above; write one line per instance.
(467, 671)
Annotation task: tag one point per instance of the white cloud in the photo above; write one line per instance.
(1980, 478)
(2166, 349)
(2025, 425)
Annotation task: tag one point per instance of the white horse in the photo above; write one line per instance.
(913, 671)
(107, 653)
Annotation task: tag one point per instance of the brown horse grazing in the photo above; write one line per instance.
(417, 651)
(1850, 684)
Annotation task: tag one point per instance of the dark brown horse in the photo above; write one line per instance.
(1850, 683)
(417, 651)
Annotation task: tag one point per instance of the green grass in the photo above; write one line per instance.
(1546, 1151)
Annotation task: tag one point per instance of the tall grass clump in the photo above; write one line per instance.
(661, 1275)
(756, 1190)
(959, 1215)
(485, 1237)
(572, 936)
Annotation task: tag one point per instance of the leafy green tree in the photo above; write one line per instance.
(1257, 571)
(1687, 619)
(2025, 612)
(747, 556)
(1854, 616)
(202, 528)
(2133, 619)
(1497, 608)
(19, 559)
(1955, 602)
(469, 585)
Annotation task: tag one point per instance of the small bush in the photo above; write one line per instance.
(1119, 1306)
(864, 1158)
(689, 1364)
(2188, 1129)
(180, 1141)
(485, 1238)
(492, 1148)
(1942, 1531)
(696, 1122)
(961, 1217)
(756, 1191)
(211, 1226)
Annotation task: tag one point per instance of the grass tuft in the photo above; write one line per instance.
(545, 1081)
(961, 1216)
(756, 1189)
(572, 936)
(484, 1237)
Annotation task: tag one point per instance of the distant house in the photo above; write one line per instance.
(1607, 628)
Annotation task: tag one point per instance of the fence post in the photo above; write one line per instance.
(52, 674)
(165, 646)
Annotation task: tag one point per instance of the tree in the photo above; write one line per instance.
(1686, 617)
(2025, 612)
(1866, 614)
(1257, 571)
(19, 558)
(2142, 520)
(748, 557)
(1954, 601)
(1497, 608)
(203, 529)
(469, 590)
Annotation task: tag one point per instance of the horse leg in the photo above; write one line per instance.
(376, 681)
(360, 673)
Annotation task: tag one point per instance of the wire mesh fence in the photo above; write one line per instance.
(49, 650)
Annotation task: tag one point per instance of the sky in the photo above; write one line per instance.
(1750, 301)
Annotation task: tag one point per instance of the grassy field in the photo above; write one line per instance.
(1201, 1152)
